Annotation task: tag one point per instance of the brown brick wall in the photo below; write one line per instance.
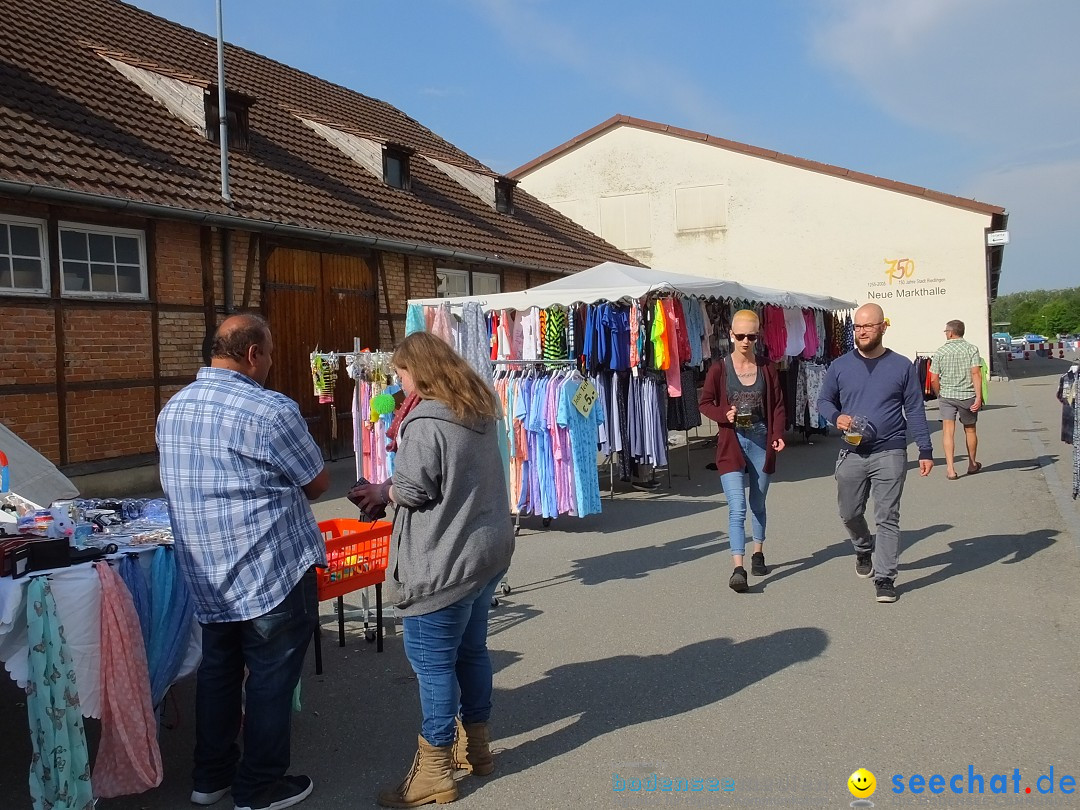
(513, 280)
(29, 354)
(106, 344)
(167, 392)
(421, 277)
(33, 419)
(240, 241)
(178, 261)
(110, 424)
(180, 338)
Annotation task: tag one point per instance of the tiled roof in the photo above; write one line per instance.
(757, 151)
(69, 120)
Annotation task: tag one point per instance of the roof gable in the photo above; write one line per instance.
(767, 154)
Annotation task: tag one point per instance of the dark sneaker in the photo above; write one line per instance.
(285, 792)
(737, 582)
(207, 798)
(886, 591)
(864, 565)
(757, 564)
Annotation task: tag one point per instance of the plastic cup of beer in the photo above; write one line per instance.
(744, 416)
(856, 430)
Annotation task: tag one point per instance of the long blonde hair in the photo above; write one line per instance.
(439, 373)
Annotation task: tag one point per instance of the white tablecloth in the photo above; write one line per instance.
(77, 591)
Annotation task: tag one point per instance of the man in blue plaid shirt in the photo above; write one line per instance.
(239, 466)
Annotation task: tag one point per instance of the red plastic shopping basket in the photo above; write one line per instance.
(357, 554)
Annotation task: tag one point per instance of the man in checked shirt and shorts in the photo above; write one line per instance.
(239, 467)
(956, 379)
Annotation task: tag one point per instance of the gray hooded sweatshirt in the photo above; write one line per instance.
(452, 529)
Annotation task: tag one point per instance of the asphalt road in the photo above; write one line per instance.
(621, 653)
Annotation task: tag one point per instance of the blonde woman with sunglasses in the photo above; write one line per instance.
(742, 395)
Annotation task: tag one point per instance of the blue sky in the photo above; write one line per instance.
(979, 98)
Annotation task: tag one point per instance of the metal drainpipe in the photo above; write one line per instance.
(223, 124)
(226, 269)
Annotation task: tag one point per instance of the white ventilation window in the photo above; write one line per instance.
(700, 208)
(625, 221)
(456, 283)
(451, 283)
(486, 283)
(23, 265)
(102, 262)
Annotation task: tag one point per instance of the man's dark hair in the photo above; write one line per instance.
(956, 327)
(252, 330)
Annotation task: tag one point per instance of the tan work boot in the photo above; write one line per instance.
(430, 779)
(472, 748)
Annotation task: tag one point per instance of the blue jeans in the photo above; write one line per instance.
(272, 647)
(448, 652)
(752, 441)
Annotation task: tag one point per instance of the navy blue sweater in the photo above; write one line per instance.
(883, 389)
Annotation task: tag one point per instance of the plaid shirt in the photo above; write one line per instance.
(953, 363)
(234, 459)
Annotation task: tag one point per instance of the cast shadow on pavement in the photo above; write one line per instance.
(783, 570)
(977, 552)
(653, 687)
(636, 563)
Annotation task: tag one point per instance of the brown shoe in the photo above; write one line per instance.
(472, 749)
(430, 779)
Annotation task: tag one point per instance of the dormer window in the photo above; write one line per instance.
(396, 165)
(504, 195)
(236, 117)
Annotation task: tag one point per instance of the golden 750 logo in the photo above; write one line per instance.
(900, 269)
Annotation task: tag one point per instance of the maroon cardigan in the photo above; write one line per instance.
(715, 405)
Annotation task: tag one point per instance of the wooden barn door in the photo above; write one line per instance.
(319, 300)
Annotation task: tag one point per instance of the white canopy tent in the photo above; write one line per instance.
(611, 281)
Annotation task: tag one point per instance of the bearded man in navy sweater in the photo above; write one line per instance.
(880, 386)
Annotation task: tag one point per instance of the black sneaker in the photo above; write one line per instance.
(757, 564)
(285, 792)
(886, 591)
(864, 565)
(737, 582)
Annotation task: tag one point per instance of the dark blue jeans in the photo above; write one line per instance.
(272, 647)
(448, 652)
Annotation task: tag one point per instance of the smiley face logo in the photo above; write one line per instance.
(862, 784)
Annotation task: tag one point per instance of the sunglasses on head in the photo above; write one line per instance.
(751, 336)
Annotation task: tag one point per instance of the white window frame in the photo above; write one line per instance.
(43, 242)
(102, 230)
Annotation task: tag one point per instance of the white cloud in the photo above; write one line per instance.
(612, 64)
(997, 77)
(997, 71)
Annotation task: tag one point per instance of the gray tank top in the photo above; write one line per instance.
(754, 393)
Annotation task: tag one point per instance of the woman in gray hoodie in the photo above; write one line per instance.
(452, 542)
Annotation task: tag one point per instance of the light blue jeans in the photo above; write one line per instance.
(752, 440)
(448, 652)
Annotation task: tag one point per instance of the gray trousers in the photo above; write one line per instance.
(881, 475)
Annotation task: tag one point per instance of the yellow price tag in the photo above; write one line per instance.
(585, 398)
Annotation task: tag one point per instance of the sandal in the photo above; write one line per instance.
(952, 477)
(976, 469)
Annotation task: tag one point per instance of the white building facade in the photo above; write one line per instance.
(688, 202)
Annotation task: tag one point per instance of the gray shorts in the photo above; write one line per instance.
(952, 408)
